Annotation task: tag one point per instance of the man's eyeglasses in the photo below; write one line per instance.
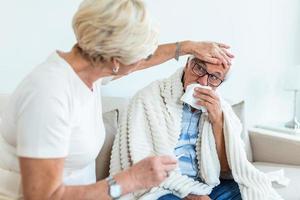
(199, 70)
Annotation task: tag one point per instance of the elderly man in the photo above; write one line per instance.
(212, 161)
(205, 74)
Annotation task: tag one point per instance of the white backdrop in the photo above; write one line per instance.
(264, 36)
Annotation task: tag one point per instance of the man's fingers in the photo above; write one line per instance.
(168, 160)
(205, 94)
(205, 98)
(169, 167)
(199, 91)
(203, 103)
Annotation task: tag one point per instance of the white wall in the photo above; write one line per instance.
(264, 36)
(30, 30)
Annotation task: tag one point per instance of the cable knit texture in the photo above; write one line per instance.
(151, 125)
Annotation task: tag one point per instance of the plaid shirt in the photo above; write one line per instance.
(186, 145)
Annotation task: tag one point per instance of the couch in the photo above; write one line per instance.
(267, 151)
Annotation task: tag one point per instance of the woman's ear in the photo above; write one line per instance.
(115, 62)
(116, 66)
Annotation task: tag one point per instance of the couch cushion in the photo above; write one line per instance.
(113, 103)
(292, 191)
(111, 108)
(239, 110)
(103, 159)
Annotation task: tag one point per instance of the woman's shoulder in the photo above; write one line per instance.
(54, 71)
(48, 80)
(52, 75)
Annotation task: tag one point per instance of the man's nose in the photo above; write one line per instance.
(203, 80)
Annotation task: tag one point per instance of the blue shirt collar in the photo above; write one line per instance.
(190, 108)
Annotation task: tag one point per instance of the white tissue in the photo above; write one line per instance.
(188, 97)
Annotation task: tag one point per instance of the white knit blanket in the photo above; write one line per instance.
(151, 126)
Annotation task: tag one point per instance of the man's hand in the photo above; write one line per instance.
(211, 102)
(197, 197)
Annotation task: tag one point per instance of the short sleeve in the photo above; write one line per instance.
(43, 126)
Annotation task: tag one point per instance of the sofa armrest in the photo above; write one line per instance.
(274, 147)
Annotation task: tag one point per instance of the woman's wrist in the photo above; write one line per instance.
(127, 181)
(186, 47)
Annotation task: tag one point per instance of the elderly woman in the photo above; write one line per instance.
(52, 129)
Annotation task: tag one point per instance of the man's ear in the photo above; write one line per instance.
(186, 64)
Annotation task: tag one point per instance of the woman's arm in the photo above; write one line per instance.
(212, 52)
(42, 179)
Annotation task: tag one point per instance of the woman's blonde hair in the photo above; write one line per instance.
(118, 29)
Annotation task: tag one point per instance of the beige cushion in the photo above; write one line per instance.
(292, 191)
(111, 108)
(113, 103)
(239, 109)
(103, 159)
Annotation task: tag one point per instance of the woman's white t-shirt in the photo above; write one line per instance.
(53, 114)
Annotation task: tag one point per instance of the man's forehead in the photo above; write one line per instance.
(212, 67)
(219, 67)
